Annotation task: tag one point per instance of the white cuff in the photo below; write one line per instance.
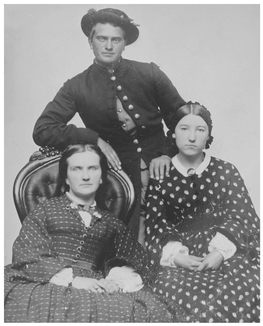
(63, 277)
(126, 278)
(222, 244)
(171, 249)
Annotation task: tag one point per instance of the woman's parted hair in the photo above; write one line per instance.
(195, 109)
(80, 148)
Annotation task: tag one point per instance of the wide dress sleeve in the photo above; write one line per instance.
(156, 225)
(240, 222)
(34, 258)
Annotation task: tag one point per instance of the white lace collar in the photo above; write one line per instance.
(184, 171)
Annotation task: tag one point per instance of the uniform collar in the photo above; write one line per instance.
(114, 68)
(119, 67)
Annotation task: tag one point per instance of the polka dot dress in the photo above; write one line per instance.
(52, 237)
(192, 210)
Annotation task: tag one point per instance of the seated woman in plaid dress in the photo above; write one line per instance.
(74, 262)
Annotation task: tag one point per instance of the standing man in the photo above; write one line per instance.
(122, 104)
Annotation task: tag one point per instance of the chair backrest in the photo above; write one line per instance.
(38, 181)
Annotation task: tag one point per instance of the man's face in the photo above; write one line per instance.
(107, 43)
(84, 175)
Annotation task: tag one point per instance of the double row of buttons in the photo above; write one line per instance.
(130, 108)
(136, 142)
(125, 99)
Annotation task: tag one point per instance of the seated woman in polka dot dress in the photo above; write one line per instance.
(202, 230)
(74, 262)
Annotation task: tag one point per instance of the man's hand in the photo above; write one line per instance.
(110, 154)
(160, 166)
(89, 284)
(188, 261)
(212, 261)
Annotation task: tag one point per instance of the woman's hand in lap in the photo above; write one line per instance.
(211, 261)
(109, 286)
(90, 284)
(187, 261)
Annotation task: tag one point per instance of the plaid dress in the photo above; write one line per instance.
(54, 237)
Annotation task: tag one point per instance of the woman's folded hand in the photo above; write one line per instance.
(186, 261)
(211, 261)
(90, 284)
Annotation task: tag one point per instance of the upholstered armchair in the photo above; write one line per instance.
(38, 180)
